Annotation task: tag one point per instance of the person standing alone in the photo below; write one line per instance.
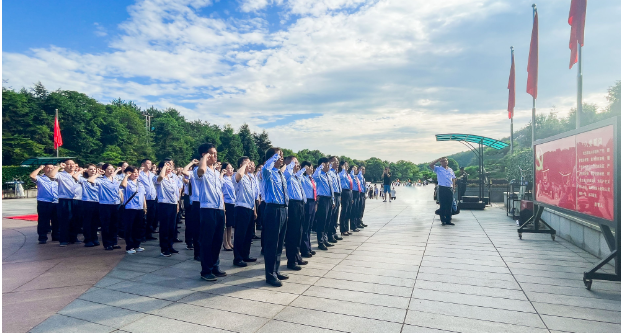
(446, 183)
(387, 183)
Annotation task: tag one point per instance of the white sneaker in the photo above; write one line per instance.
(139, 249)
(132, 251)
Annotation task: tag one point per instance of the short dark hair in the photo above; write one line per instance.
(271, 152)
(305, 164)
(106, 165)
(161, 164)
(342, 162)
(241, 160)
(121, 164)
(85, 172)
(322, 160)
(66, 160)
(204, 148)
(144, 161)
(289, 158)
(331, 157)
(224, 165)
(351, 167)
(130, 169)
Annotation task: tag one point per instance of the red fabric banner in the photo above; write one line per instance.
(533, 59)
(577, 16)
(511, 88)
(58, 139)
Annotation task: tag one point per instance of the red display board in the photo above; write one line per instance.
(577, 172)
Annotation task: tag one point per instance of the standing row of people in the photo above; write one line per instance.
(287, 198)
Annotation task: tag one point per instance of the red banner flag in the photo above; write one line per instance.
(577, 16)
(511, 88)
(533, 59)
(58, 139)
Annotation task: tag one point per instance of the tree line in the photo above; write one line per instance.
(94, 132)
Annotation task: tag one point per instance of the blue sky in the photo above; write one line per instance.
(354, 77)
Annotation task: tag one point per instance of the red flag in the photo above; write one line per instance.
(533, 59)
(511, 88)
(577, 16)
(58, 139)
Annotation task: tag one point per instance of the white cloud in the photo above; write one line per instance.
(384, 75)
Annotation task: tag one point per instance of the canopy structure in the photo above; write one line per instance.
(34, 161)
(468, 140)
(488, 142)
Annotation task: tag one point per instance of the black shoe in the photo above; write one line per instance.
(256, 237)
(337, 237)
(322, 246)
(116, 247)
(307, 255)
(302, 262)
(173, 251)
(240, 263)
(332, 240)
(177, 240)
(250, 259)
(54, 239)
(96, 243)
(294, 267)
(329, 245)
(217, 272)
(209, 277)
(150, 238)
(344, 234)
(282, 276)
(313, 252)
(108, 248)
(225, 249)
(273, 282)
(364, 225)
(197, 258)
(89, 244)
(42, 241)
(356, 230)
(450, 223)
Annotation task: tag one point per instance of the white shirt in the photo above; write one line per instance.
(445, 176)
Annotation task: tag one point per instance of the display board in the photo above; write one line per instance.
(577, 172)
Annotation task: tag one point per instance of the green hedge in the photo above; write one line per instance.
(10, 173)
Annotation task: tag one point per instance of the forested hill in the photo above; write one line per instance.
(94, 132)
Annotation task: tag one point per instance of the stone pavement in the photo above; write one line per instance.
(404, 273)
(39, 280)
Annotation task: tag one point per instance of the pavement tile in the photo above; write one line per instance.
(211, 317)
(476, 300)
(358, 296)
(347, 323)
(277, 326)
(579, 325)
(150, 290)
(124, 300)
(100, 313)
(233, 304)
(387, 280)
(63, 324)
(155, 324)
(365, 287)
(350, 308)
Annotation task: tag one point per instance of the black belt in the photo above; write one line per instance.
(307, 200)
(446, 186)
(323, 197)
(346, 190)
(277, 205)
(295, 201)
(337, 194)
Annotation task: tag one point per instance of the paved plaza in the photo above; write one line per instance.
(405, 272)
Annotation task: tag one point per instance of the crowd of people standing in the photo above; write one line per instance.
(223, 206)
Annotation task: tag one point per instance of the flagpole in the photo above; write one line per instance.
(534, 99)
(511, 146)
(579, 108)
(55, 120)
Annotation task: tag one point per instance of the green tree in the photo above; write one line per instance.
(248, 143)
(310, 155)
(231, 147)
(263, 143)
(374, 169)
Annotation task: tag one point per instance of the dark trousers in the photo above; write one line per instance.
(211, 234)
(361, 206)
(334, 217)
(108, 216)
(353, 212)
(67, 231)
(309, 216)
(346, 198)
(90, 212)
(151, 217)
(445, 196)
(47, 220)
(167, 216)
(293, 236)
(244, 228)
(77, 216)
(261, 213)
(324, 206)
(273, 236)
(133, 221)
(192, 226)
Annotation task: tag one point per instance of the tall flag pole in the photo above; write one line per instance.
(511, 104)
(533, 67)
(58, 139)
(577, 17)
